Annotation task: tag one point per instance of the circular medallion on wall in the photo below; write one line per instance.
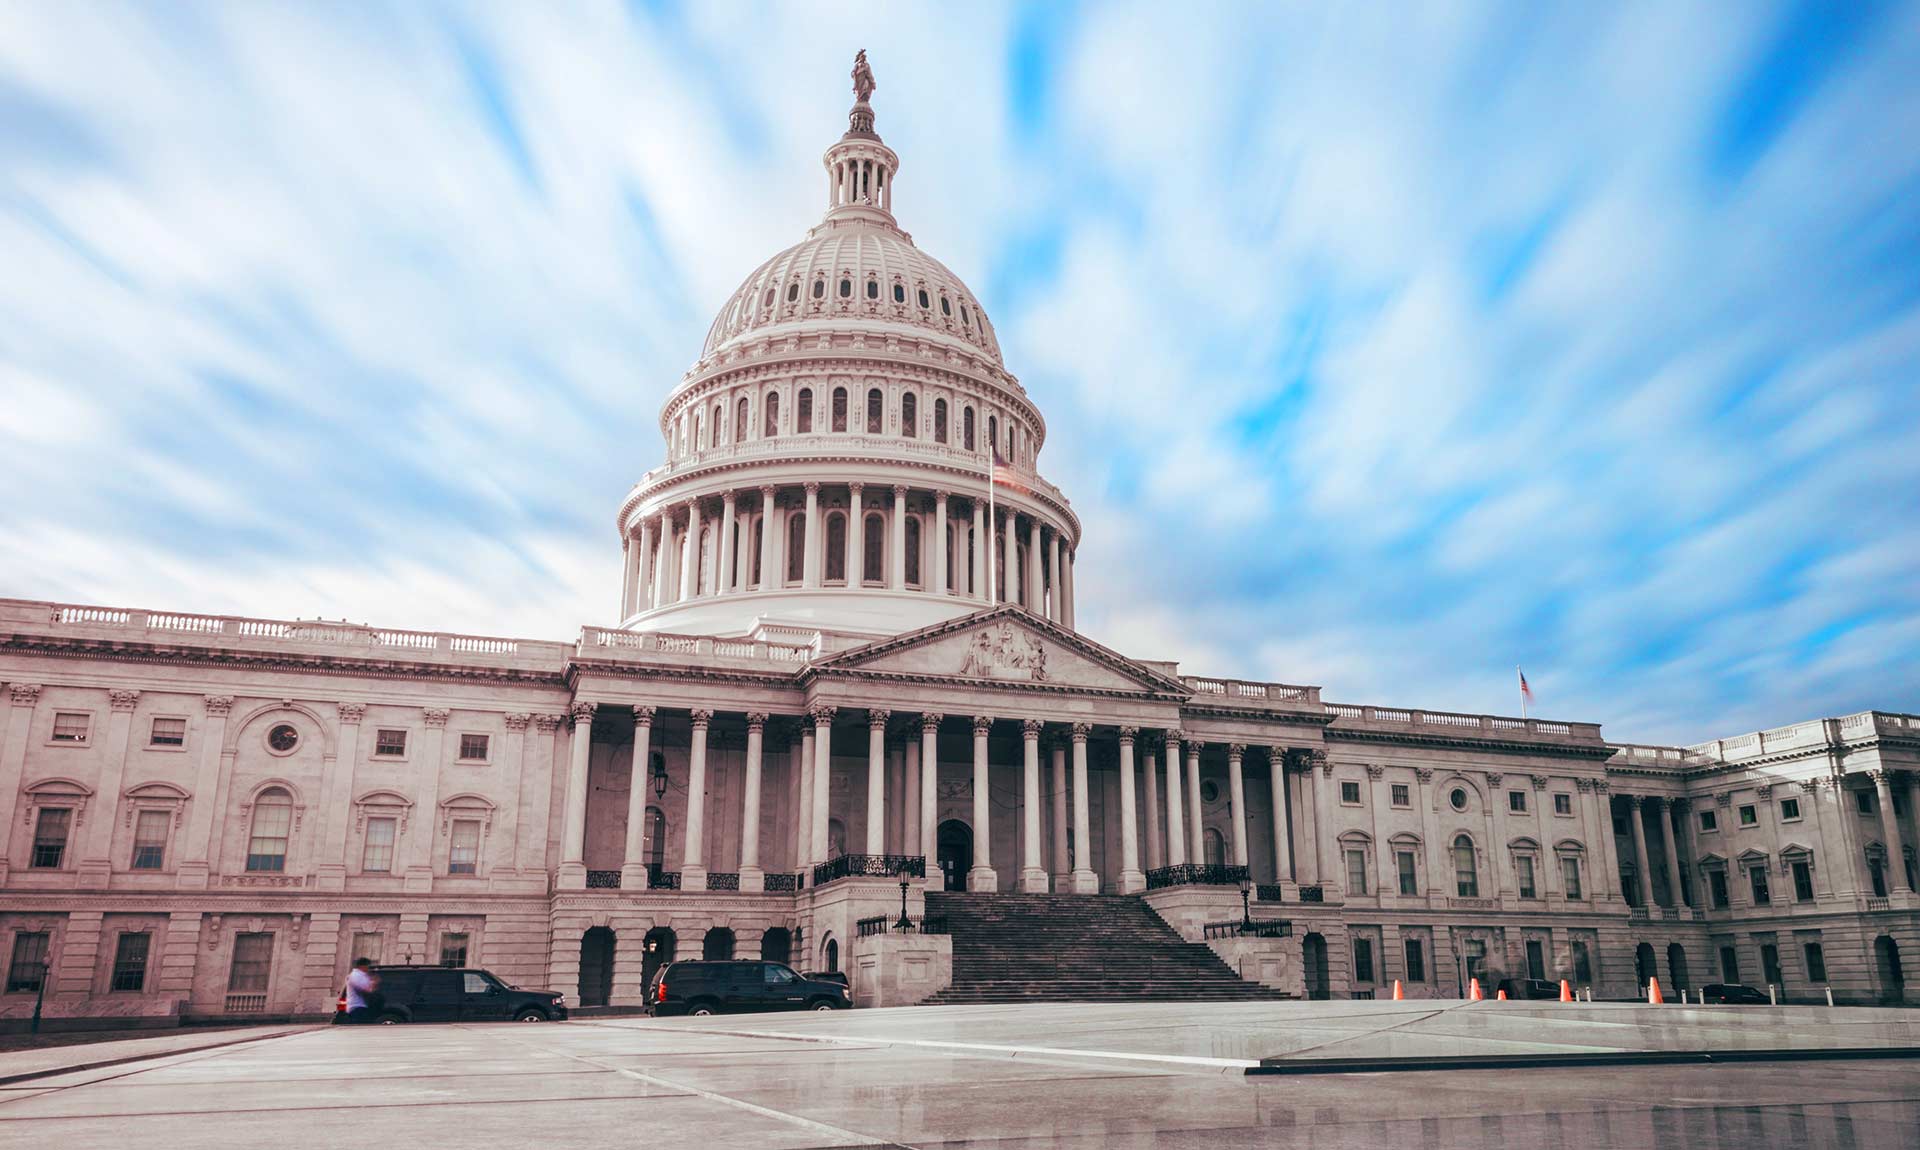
(1210, 791)
(282, 738)
(1458, 798)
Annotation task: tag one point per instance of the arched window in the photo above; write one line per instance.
(899, 293)
(873, 289)
(793, 291)
(959, 551)
(719, 424)
(946, 307)
(909, 416)
(1466, 875)
(913, 550)
(925, 303)
(704, 574)
(1215, 848)
(819, 289)
(272, 822)
(770, 418)
(836, 547)
(964, 320)
(993, 432)
(839, 409)
(768, 301)
(1019, 594)
(876, 411)
(654, 847)
(803, 412)
(846, 288)
(939, 421)
(832, 954)
(740, 422)
(966, 429)
(731, 578)
(699, 434)
(836, 838)
(717, 946)
(873, 566)
(796, 546)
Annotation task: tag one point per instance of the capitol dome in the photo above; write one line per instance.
(828, 457)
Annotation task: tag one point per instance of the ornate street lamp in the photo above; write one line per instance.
(905, 923)
(1246, 904)
(659, 776)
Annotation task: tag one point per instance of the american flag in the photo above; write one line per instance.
(1526, 692)
(1006, 475)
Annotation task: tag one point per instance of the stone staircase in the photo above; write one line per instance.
(1076, 948)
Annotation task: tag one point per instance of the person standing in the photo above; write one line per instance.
(363, 992)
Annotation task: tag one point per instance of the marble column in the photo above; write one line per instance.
(856, 535)
(1321, 780)
(752, 878)
(1282, 849)
(1067, 571)
(1010, 556)
(1675, 896)
(1036, 579)
(690, 559)
(822, 781)
(629, 558)
(693, 871)
(1062, 864)
(723, 575)
(662, 591)
(930, 791)
(643, 569)
(910, 800)
(1150, 789)
(940, 556)
(1196, 844)
(803, 808)
(810, 568)
(897, 536)
(877, 781)
(770, 566)
(982, 876)
(1056, 592)
(1176, 822)
(1132, 879)
(1237, 795)
(1033, 877)
(982, 550)
(1883, 781)
(633, 868)
(1084, 880)
(573, 839)
(1643, 878)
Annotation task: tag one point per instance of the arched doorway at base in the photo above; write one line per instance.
(656, 951)
(1313, 962)
(776, 945)
(1645, 966)
(1677, 966)
(717, 946)
(1893, 978)
(596, 966)
(955, 840)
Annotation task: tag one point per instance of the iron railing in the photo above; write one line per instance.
(933, 924)
(603, 880)
(1196, 874)
(1258, 928)
(723, 880)
(660, 878)
(246, 1003)
(870, 866)
(868, 927)
(1313, 894)
(782, 883)
(1270, 892)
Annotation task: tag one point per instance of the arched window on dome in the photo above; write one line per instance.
(846, 287)
(925, 301)
(966, 429)
(796, 546)
(876, 411)
(939, 421)
(803, 412)
(705, 574)
(913, 551)
(820, 288)
(873, 288)
(770, 416)
(946, 306)
(993, 432)
(699, 434)
(740, 421)
(959, 558)
(754, 540)
(873, 564)
(730, 577)
(965, 320)
(768, 301)
(839, 409)
(1019, 577)
(793, 291)
(899, 293)
(719, 425)
(837, 547)
(910, 416)
(1466, 876)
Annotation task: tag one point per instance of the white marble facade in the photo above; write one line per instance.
(846, 642)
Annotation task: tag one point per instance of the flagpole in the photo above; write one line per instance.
(1523, 691)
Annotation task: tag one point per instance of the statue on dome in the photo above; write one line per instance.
(863, 84)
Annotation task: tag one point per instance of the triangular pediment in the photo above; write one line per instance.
(1007, 646)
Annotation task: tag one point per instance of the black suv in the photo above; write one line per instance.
(457, 994)
(716, 987)
(1529, 988)
(1733, 994)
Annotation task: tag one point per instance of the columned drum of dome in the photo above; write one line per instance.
(828, 459)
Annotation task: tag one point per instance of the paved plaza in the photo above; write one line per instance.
(1063, 1075)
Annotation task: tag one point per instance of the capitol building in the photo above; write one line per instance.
(844, 719)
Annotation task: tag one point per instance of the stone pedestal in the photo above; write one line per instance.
(330, 876)
(573, 876)
(633, 876)
(1033, 880)
(1132, 881)
(1086, 882)
(899, 969)
(983, 878)
(753, 880)
(693, 878)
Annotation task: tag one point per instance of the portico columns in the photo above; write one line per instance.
(751, 876)
(930, 791)
(723, 577)
(1033, 878)
(1150, 786)
(1196, 844)
(573, 856)
(877, 781)
(897, 555)
(693, 871)
(1036, 579)
(940, 559)
(633, 866)
(982, 876)
(1321, 781)
(1176, 823)
(1237, 794)
(690, 558)
(1062, 864)
(1132, 881)
(1084, 880)
(822, 781)
(1277, 781)
(982, 552)
(1643, 879)
(1675, 895)
(770, 565)
(810, 569)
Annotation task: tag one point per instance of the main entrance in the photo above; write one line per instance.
(956, 853)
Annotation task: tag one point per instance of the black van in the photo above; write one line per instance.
(457, 994)
(739, 987)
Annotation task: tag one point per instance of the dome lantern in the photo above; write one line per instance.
(860, 167)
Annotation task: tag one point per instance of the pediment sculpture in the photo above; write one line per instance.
(1005, 652)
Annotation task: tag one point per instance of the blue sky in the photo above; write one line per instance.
(1382, 347)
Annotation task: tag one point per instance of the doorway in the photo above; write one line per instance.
(596, 966)
(1893, 980)
(1313, 960)
(656, 951)
(1677, 966)
(955, 853)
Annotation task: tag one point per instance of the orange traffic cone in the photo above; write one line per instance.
(1501, 995)
(1398, 994)
(1654, 997)
(1566, 991)
(1473, 990)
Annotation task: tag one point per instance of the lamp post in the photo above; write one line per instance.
(659, 776)
(1246, 903)
(905, 923)
(40, 995)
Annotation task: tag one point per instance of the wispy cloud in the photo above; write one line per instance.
(1380, 348)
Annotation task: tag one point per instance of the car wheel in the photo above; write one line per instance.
(822, 1004)
(390, 1020)
(701, 1010)
(530, 1016)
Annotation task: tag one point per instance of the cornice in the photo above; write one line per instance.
(815, 674)
(810, 361)
(579, 667)
(270, 660)
(1498, 746)
(1297, 718)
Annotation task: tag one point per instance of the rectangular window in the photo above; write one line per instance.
(1570, 872)
(1416, 960)
(1350, 793)
(376, 856)
(1409, 878)
(453, 950)
(390, 743)
(1863, 802)
(1563, 804)
(1363, 960)
(267, 843)
(150, 839)
(1523, 867)
(1476, 957)
(167, 733)
(1748, 816)
(1802, 881)
(1717, 888)
(1709, 820)
(1789, 810)
(252, 960)
(1582, 963)
(1401, 796)
(370, 945)
(29, 966)
(1757, 879)
(50, 837)
(1536, 959)
(130, 961)
(1356, 872)
(1770, 964)
(1816, 963)
(1517, 802)
(463, 856)
(1729, 965)
(70, 726)
(473, 748)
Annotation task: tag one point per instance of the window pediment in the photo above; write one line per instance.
(1570, 847)
(56, 792)
(1752, 858)
(382, 804)
(467, 806)
(154, 796)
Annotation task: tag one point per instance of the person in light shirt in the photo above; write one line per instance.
(363, 991)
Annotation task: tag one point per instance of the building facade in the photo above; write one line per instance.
(846, 671)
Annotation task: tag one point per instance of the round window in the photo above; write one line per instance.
(1210, 791)
(283, 737)
(1458, 798)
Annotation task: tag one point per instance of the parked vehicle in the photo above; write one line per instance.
(457, 994)
(1529, 988)
(740, 987)
(1733, 994)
